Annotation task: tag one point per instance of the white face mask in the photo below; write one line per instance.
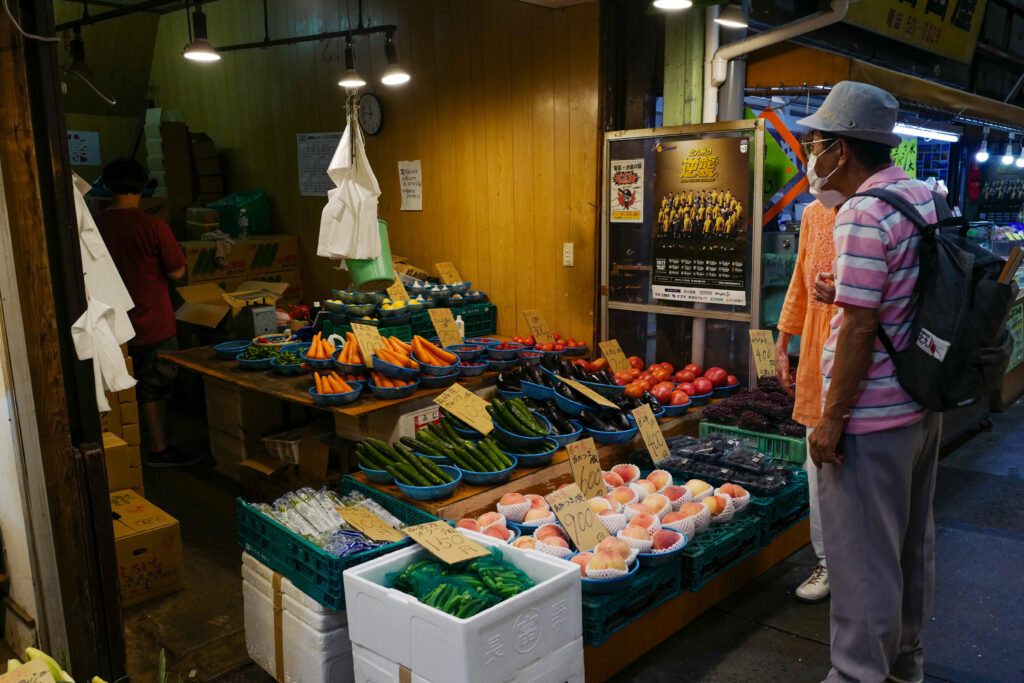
(828, 198)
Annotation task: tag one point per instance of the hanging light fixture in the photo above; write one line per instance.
(200, 49)
(350, 79)
(732, 17)
(982, 155)
(78, 64)
(1020, 159)
(393, 73)
(673, 4)
(1008, 154)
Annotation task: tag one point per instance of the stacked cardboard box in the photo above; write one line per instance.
(268, 258)
(147, 543)
(237, 418)
(168, 155)
(200, 220)
(208, 174)
(122, 438)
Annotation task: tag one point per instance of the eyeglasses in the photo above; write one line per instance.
(809, 146)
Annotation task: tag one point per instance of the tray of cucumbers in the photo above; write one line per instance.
(404, 467)
(436, 441)
(516, 424)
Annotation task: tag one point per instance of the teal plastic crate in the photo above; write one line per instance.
(779, 447)
(257, 210)
(329, 327)
(478, 319)
(314, 571)
(781, 511)
(717, 549)
(421, 325)
(603, 615)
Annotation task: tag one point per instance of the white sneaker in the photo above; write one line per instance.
(815, 588)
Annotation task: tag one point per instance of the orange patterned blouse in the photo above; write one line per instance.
(803, 315)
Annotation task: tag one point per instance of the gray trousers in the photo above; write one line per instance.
(876, 512)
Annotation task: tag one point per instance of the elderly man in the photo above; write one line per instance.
(876, 448)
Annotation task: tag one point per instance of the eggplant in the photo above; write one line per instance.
(580, 374)
(534, 375)
(651, 401)
(559, 421)
(565, 390)
(550, 361)
(618, 420)
(549, 381)
(508, 382)
(606, 377)
(566, 369)
(592, 421)
(534, 404)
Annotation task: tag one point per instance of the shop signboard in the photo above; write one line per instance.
(627, 190)
(700, 240)
(939, 26)
(905, 156)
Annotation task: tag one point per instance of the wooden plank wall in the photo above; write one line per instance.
(502, 111)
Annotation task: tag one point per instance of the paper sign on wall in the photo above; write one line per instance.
(447, 544)
(538, 327)
(84, 148)
(372, 526)
(315, 152)
(467, 406)
(613, 352)
(589, 393)
(35, 671)
(627, 196)
(397, 290)
(410, 179)
(444, 325)
(586, 468)
(368, 338)
(650, 432)
(448, 273)
(577, 517)
(762, 344)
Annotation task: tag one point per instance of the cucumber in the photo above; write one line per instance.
(487, 458)
(508, 421)
(520, 410)
(417, 463)
(475, 464)
(496, 453)
(412, 476)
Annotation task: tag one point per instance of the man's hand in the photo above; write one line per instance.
(782, 361)
(823, 442)
(825, 288)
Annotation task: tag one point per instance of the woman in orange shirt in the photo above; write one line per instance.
(807, 314)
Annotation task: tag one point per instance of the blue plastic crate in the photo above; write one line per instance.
(314, 571)
(603, 615)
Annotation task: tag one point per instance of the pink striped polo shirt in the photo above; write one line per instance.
(876, 267)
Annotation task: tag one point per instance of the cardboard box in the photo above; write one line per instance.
(229, 451)
(206, 304)
(402, 265)
(115, 455)
(148, 548)
(272, 254)
(202, 265)
(126, 395)
(201, 214)
(110, 421)
(130, 413)
(209, 184)
(291, 279)
(239, 412)
(131, 433)
(203, 146)
(208, 167)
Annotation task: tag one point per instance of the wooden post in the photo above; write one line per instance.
(684, 68)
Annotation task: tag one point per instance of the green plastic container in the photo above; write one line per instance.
(603, 615)
(257, 209)
(479, 319)
(779, 447)
(403, 332)
(780, 512)
(375, 274)
(718, 549)
(313, 570)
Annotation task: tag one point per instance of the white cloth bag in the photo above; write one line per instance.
(348, 223)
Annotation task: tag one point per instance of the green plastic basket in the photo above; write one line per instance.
(603, 615)
(779, 447)
(329, 327)
(257, 210)
(717, 549)
(781, 511)
(479, 320)
(313, 570)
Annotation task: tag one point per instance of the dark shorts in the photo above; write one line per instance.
(155, 375)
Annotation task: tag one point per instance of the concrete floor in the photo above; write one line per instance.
(760, 633)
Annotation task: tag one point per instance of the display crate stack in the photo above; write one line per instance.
(122, 438)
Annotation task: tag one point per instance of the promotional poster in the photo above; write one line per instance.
(627, 191)
(702, 192)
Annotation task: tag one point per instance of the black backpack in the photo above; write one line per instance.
(959, 346)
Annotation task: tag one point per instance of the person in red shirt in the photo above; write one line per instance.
(147, 257)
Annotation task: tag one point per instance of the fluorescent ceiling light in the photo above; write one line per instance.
(927, 133)
(732, 17)
(673, 4)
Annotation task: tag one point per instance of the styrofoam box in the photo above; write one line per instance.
(561, 666)
(494, 645)
(315, 645)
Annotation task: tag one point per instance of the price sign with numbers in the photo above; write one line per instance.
(447, 544)
(589, 393)
(35, 671)
(467, 406)
(369, 341)
(650, 431)
(372, 526)
(397, 290)
(448, 273)
(444, 325)
(616, 358)
(763, 347)
(576, 517)
(586, 468)
(538, 327)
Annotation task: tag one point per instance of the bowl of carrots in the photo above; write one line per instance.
(409, 368)
(439, 381)
(318, 355)
(432, 358)
(390, 388)
(331, 390)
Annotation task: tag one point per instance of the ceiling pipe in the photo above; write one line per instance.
(365, 31)
(89, 20)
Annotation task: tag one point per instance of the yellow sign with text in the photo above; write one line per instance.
(762, 345)
(447, 544)
(946, 28)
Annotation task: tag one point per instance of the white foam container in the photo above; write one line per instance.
(562, 666)
(315, 643)
(494, 645)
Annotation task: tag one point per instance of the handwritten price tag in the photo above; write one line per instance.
(448, 273)
(368, 338)
(467, 406)
(616, 358)
(444, 324)
(762, 345)
(372, 526)
(35, 671)
(577, 518)
(586, 468)
(397, 290)
(650, 431)
(538, 328)
(589, 393)
(447, 544)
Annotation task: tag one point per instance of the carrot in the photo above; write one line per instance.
(406, 348)
(319, 383)
(313, 349)
(447, 356)
(335, 385)
(344, 386)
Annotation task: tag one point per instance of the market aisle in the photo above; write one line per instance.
(762, 633)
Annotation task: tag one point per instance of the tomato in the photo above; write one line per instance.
(547, 347)
(679, 398)
(716, 376)
(633, 390)
(668, 366)
(703, 386)
(622, 378)
(581, 344)
(530, 341)
(643, 383)
(636, 362)
(683, 376)
(695, 369)
(598, 364)
(556, 336)
(731, 380)
(648, 377)
(570, 342)
(653, 366)
(660, 374)
(634, 373)
(559, 347)
(517, 339)
(688, 389)
(661, 393)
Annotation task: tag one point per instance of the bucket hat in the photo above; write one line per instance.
(857, 110)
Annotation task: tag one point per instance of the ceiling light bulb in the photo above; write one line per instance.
(1020, 159)
(1008, 154)
(351, 78)
(732, 17)
(982, 155)
(78, 64)
(673, 4)
(393, 73)
(200, 49)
